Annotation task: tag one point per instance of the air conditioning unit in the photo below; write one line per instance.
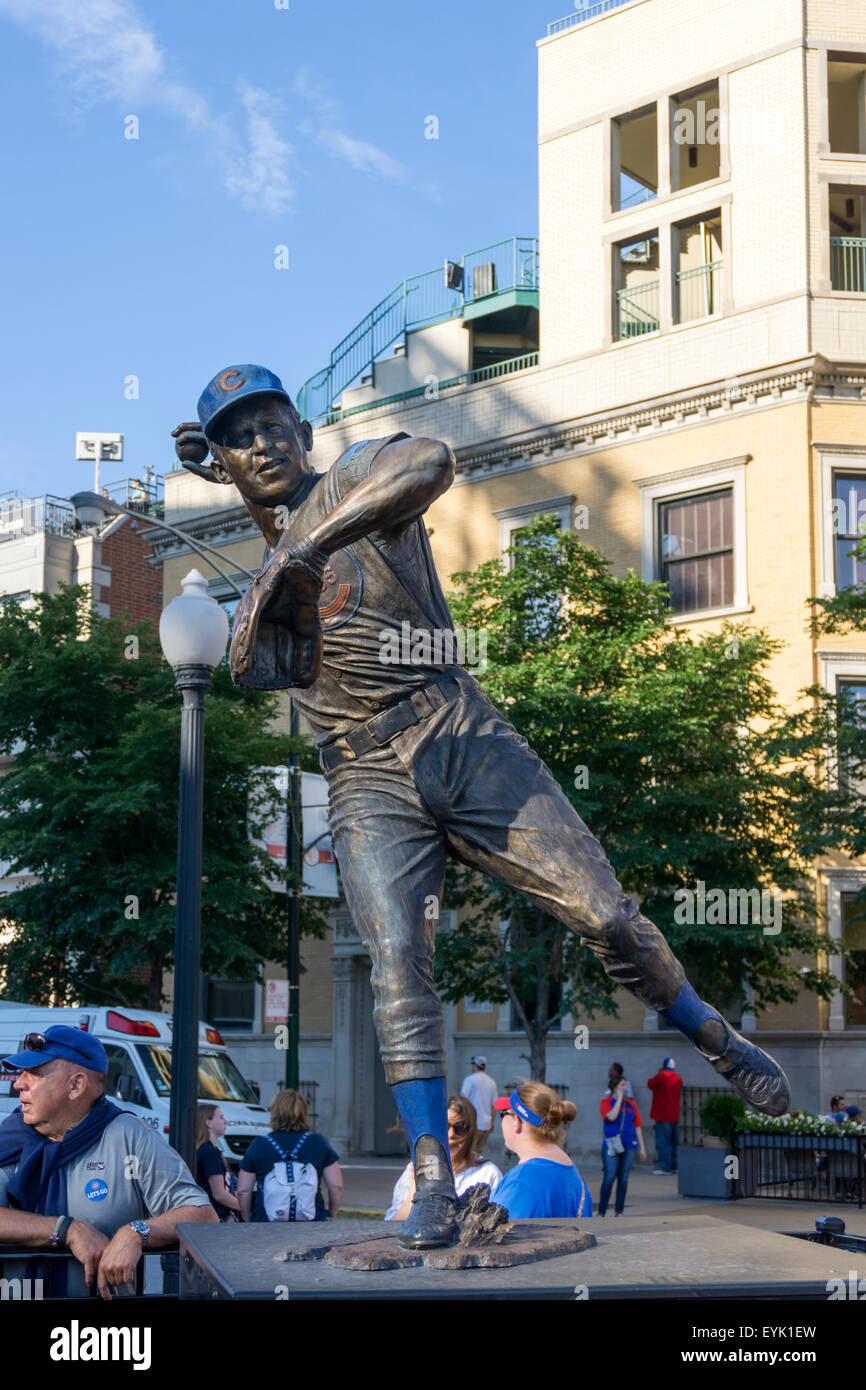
(484, 279)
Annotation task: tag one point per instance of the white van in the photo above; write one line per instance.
(138, 1044)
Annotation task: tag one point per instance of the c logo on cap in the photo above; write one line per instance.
(224, 383)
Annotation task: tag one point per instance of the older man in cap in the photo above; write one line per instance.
(78, 1173)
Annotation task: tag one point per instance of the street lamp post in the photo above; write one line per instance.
(193, 630)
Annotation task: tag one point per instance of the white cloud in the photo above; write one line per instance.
(325, 128)
(108, 53)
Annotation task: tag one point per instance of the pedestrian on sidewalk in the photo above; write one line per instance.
(469, 1167)
(666, 1087)
(212, 1171)
(545, 1182)
(292, 1162)
(623, 1139)
(481, 1090)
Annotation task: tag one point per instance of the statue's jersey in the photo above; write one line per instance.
(385, 622)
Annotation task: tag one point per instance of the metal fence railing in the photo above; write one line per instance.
(415, 303)
(699, 291)
(27, 516)
(848, 263)
(802, 1167)
(691, 1100)
(637, 310)
(582, 13)
(139, 494)
(308, 1090)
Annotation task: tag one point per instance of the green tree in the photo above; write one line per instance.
(90, 726)
(678, 756)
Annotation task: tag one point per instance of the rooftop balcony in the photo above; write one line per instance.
(584, 12)
(498, 280)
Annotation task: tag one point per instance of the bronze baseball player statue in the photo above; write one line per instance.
(419, 763)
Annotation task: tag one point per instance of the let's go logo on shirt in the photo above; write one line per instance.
(96, 1190)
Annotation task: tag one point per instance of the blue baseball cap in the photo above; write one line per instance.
(72, 1044)
(235, 384)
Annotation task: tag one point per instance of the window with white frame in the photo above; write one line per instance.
(693, 537)
(846, 923)
(843, 512)
(512, 519)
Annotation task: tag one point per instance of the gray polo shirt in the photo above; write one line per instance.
(128, 1175)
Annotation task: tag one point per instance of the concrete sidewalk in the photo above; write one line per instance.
(369, 1183)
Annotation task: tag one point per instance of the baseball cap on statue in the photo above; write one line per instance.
(234, 384)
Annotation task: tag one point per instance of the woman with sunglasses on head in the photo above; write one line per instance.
(545, 1181)
(469, 1167)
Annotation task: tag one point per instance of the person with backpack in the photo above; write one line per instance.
(287, 1168)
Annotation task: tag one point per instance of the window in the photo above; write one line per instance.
(848, 239)
(122, 1080)
(511, 519)
(635, 158)
(854, 932)
(693, 536)
(696, 147)
(231, 1004)
(636, 286)
(696, 537)
(849, 526)
(846, 91)
(851, 716)
(698, 253)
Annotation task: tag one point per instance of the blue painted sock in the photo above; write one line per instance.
(688, 1012)
(423, 1109)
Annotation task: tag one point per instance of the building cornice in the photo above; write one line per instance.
(228, 526)
(800, 381)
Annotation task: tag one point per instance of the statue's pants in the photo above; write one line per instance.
(464, 782)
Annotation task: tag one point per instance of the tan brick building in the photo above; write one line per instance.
(699, 386)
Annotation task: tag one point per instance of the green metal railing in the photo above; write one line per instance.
(584, 13)
(637, 310)
(497, 369)
(848, 263)
(416, 303)
(699, 291)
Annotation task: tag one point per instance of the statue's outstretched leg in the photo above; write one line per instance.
(508, 817)
(752, 1072)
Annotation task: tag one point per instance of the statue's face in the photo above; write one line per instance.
(261, 446)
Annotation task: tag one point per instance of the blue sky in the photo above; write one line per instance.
(257, 127)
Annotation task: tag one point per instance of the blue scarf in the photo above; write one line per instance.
(39, 1184)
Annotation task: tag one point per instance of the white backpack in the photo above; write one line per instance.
(290, 1188)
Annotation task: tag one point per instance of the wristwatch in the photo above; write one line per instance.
(61, 1229)
(142, 1229)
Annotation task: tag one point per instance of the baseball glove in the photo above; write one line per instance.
(277, 635)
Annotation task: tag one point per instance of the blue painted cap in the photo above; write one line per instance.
(72, 1044)
(233, 385)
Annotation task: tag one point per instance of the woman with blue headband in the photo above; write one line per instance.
(545, 1181)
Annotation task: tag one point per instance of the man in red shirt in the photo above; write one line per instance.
(666, 1086)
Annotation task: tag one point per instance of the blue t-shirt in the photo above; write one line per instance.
(625, 1124)
(540, 1187)
(261, 1156)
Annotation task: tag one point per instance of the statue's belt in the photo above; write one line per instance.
(392, 721)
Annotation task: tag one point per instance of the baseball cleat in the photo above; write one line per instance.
(752, 1073)
(430, 1224)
